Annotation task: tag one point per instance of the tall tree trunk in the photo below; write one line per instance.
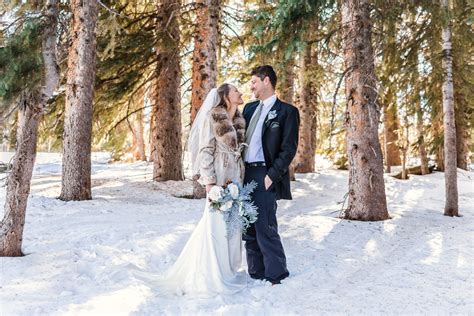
(204, 68)
(463, 50)
(391, 123)
(450, 161)
(151, 88)
(316, 83)
(439, 150)
(167, 160)
(285, 87)
(287, 82)
(138, 143)
(204, 71)
(405, 146)
(391, 133)
(304, 160)
(18, 182)
(420, 131)
(366, 197)
(77, 136)
(19, 179)
(420, 135)
(138, 137)
(391, 61)
(462, 130)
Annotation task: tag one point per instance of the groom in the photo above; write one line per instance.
(272, 136)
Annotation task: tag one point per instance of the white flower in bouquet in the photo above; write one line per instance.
(233, 190)
(215, 193)
(226, 206)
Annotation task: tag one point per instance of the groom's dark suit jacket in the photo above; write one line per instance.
(279, 141)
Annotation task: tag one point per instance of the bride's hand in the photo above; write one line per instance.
(209, 187)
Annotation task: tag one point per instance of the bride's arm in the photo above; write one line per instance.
(206, 153)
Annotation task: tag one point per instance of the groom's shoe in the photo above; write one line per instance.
(273, 282)
(278, 280)
(257, 277)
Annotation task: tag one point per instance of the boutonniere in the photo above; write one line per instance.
(271, 115)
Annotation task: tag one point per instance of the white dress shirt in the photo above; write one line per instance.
(255, 150)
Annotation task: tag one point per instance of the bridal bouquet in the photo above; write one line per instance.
(234, 202)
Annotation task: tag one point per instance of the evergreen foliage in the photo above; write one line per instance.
(21, 61)
(273, 32)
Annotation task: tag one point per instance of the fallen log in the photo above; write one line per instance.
(413, 170)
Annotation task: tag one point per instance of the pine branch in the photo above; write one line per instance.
(110, 10)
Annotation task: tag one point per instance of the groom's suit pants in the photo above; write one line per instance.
(265, 255)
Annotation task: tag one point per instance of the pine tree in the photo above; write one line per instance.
(166, 130)
(41, 45)
(77, 137)
(450, 161)
(463, 83)
(367, 200)
(304, 159)
(138, 145)
(204, 69)
(388, 78)
(204, 63)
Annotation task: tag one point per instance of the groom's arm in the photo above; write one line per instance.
(288, 147)
(245, 109)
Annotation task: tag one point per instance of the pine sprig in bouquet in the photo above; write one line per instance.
(234, 202)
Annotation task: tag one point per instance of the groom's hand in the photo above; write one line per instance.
(268, 182)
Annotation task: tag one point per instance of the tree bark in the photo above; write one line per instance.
(463, 92)
(391, 137)
(77, 136)
(18, 183)
(166, 98)
(304, 160)
(420, 131)
(204, 69)
(439, 157)
(287, 82)
(19, 179)
(462, 130)
(405, 146)
(366, 196)
(138, 143)
(420, 136)
(285, 86)
(391, 123)
(151, 89)
(315, 91)
(389, 98)
(450, 161)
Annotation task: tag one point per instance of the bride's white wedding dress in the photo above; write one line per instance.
(211, 262)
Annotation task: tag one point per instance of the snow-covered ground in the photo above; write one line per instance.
(86, 257)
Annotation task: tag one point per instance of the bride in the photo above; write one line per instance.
(210, 262)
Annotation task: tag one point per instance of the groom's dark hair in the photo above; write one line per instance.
(265, 71)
